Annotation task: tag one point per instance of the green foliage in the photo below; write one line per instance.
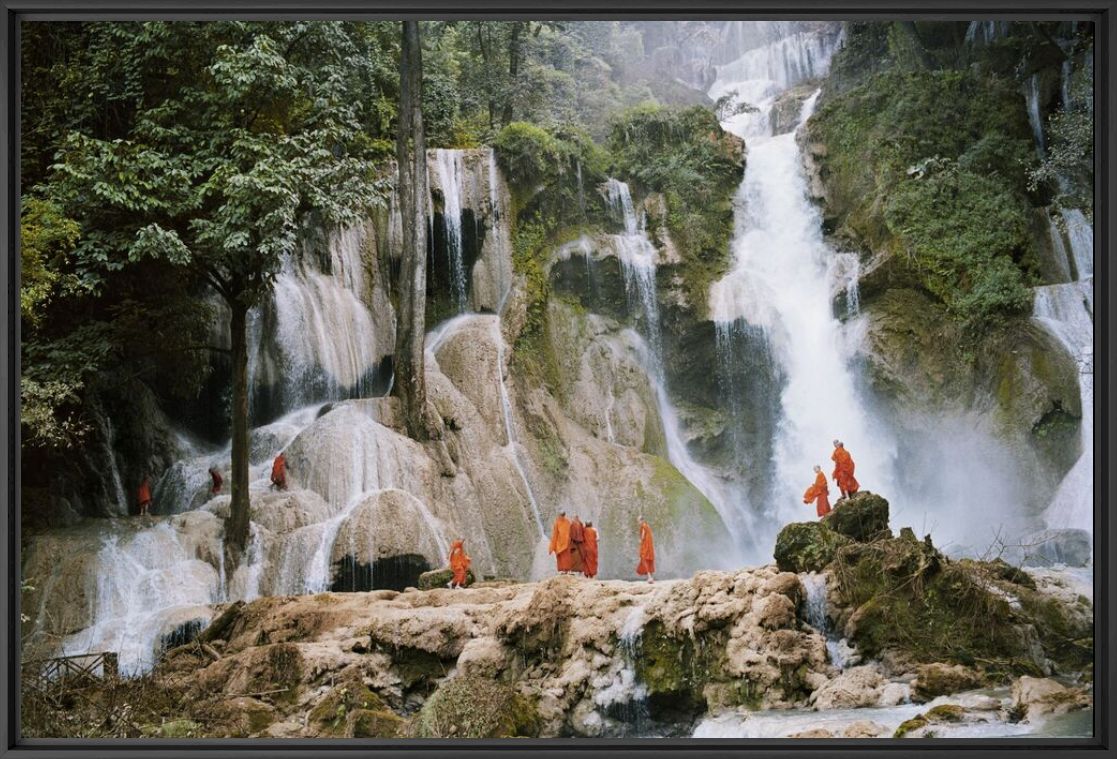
(684, 154)
(1068, 165)
(47, 240)
(964, 231)
(948, 191)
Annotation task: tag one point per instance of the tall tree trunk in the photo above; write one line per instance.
(513, 69)
(411, 159)
(236, 529)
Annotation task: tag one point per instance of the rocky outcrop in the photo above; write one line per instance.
(861, 517)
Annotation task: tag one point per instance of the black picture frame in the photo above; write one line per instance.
(1104, 15)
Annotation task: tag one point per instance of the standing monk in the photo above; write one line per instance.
(647, 552)
(577, 545)
(819, 492)
(459, 563)
(560, 543)
(279, 472)
(216, 477)
(143, 496)
(589, 547)
(843, 470)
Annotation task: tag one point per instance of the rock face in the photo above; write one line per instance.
(501, 659)
(807, 547)
(1035, 698)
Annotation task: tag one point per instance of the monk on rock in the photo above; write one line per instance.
(647, 552)
(589, 547)
(143, 496)
(843, 470)
(215, 476)
(819, 492)
(459, 563)
(560, 543)
(279, 472)
(577, 545)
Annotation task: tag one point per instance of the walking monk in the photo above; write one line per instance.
(143, 496)
(459, 563)
(560, 543)
(819, 492)
(647, 552)
(216, 477)
(279, 472)
(843, 470)
(589, 548)
(577, 545)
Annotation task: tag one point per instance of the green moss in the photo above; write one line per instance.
(177, 728)
(807, 547)
(909, 725)
(332, 713)
(945, 713)
(470, 707)
(369, 723)
(674, 670)
(439, 578)
(946, 195)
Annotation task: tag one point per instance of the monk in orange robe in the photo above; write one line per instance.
(819, 492)
(279, 472)
(647, 552)
(459, 563)
(216, 477)
(577, 545)
(843, 470)
(589, 548)
(560, 543)
(143, 496)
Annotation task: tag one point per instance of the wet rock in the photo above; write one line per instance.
(856, 687)
(1035, 697)
(814, 732)
(934, 680)
(864, 729)
(862, 517)
(1074, 548)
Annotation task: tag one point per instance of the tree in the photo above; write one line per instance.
(411, 160)
(226, 140)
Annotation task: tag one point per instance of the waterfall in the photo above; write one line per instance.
(985, 31)
(1066, 311)
(815, 608)
(1081, 235)
(780, 282)
(511, 445)
(637, 257)
(448, 164)
(625, 697)
(1031, 95)
(317, 337)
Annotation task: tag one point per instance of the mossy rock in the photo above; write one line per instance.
(807, 547)
(674, 671)
(909, 725)
(440, 578)
(330, 717)
(374, 723)
(862, 517)
(945, 713)
(933, 680)
(416, 668)
(472, 707)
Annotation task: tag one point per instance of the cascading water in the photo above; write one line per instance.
(1066, 311)
(1031, 95)
(780, 282)
(815, 607)
(448, 164)
(637, 257)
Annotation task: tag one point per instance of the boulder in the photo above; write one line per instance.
(370, 723)
(862, 517)
(814, 732)
(864, 729)
(807, 547)
(1035, 697)
(386, 524)
(856, 687)
(934, 680)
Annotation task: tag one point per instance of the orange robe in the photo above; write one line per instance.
(143, 495)
(577, 548)
(843, 471)
(589, 548)
(216, 475)
(459, 562)
(279, 472)
(560, 544)
(819, 492)
(647, 551)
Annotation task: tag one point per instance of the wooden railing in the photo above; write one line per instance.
(60, 672)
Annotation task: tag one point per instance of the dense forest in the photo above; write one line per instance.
(457, 278)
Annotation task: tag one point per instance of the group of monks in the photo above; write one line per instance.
(575, 547)
(819, 492)
(278, 480)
